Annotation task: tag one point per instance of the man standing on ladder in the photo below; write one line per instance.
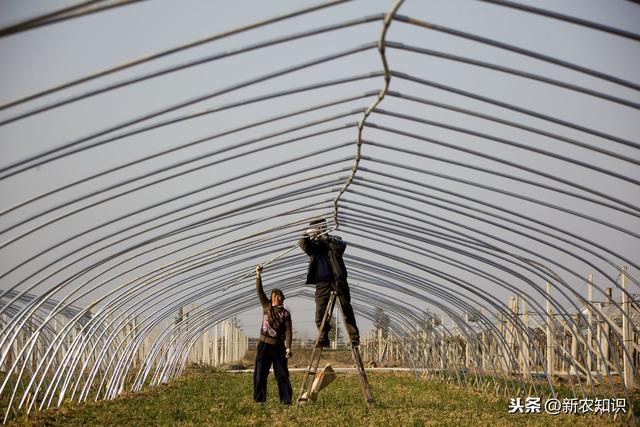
(328, 272)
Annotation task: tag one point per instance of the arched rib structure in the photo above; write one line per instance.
(486, 181)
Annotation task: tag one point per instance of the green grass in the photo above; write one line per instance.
(204, 397)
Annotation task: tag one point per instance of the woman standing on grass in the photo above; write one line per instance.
(274, 345)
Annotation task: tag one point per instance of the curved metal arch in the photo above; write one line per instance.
(157, 55)
(60, 371)
(382, 217)
(503, 209)
(211, 58)
(520, 247)
(455, 280)
(512, 107)
(485, 275)
(501, 161)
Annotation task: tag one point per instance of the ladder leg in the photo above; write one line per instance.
(362, 374)
(316, 353)
(357, 358)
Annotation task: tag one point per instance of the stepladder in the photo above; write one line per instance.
(306, 392)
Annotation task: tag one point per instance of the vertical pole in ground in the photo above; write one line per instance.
(216, 358)
(204, 358)
(574, 343)
(128, 330)
(136, 327)
(148, 340)
(627, 333)
(92, 313)
(232, 339)
(9, 359)
(236, 343)
(379, 332)
(188, 309)
(485, 351)
(604, 343)
(589, 331)
(467, 349)
(515, 312)
(504, 361)
(550, 334)
(227, 340)
(222, 343)
(246, 345)
(232, 342)
(525, 347)
(56, 356)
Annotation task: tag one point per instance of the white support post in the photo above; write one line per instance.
(574, 342)
(221, 343)
(500, 348)
(485, 351)
(524, 351)
(550, 334)
(627, 333)
(4, 321)
(134, 327)
(216, 347)
(379, 331)
(232, 339)
(230, 335)
(204, 359)
(604, 343)
(246, 346)
(515, 311)
(467, 349)
(236, 343)
(589, 331)
(225, 342)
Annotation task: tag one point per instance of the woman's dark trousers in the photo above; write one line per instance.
(266, 354)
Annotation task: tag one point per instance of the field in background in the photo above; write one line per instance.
(338, 358)
(209, 397)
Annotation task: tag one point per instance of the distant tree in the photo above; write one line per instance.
(429, 320)
(235, 322)
(381, 321)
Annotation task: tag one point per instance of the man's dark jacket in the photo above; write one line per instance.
(326, 259)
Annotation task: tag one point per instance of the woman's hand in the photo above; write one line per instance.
(259, 269)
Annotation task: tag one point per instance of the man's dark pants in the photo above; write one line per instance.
(323, 293)
(266, 354)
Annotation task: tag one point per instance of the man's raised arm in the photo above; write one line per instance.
(310, 247)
